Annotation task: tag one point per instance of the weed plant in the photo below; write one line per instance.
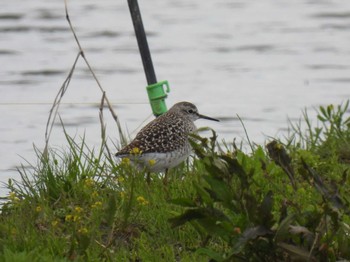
(286, 201)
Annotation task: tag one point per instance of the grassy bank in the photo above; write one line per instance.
(286, 201)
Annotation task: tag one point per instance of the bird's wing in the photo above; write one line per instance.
(158, 136)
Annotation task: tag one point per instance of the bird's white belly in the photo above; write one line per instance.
(158, 162)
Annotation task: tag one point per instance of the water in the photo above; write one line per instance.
(263, 60)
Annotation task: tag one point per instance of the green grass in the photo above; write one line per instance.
(286, 202)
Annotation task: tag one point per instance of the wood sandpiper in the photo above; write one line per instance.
(163, 143)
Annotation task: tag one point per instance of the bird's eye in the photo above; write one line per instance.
(190, 111)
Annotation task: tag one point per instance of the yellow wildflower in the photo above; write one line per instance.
(120, 179)
(229, 154)
(78, 209)
(126, 161)
(83, 230)
(142, 200)
(89, 182)
(135, 151)
(94, 194)
(76, 218)
(13, 197)
(279, 146)
(38, 209)
(54, 223)
(122, 194)
(151, 162)
(96, 204)
(69, 217)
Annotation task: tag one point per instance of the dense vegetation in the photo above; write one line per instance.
(286, 201)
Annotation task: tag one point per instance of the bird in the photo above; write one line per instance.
(163, 143)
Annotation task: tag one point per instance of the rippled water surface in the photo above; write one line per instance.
(263, 60)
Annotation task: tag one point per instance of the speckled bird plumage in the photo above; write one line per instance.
(163, 143)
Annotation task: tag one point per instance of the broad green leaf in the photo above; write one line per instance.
(204, 195)
(297, 253)
(265, 210)
(235, 168)
(283, 228)
(185, 202)
(188, 215)
(210, 253)
(323, 111)
(221, 189)
(250, 234)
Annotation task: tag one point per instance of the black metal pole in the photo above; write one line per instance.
(142, 42)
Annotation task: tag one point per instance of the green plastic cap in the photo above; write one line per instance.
(157, 95)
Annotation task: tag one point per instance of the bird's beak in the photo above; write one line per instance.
(208, 118)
